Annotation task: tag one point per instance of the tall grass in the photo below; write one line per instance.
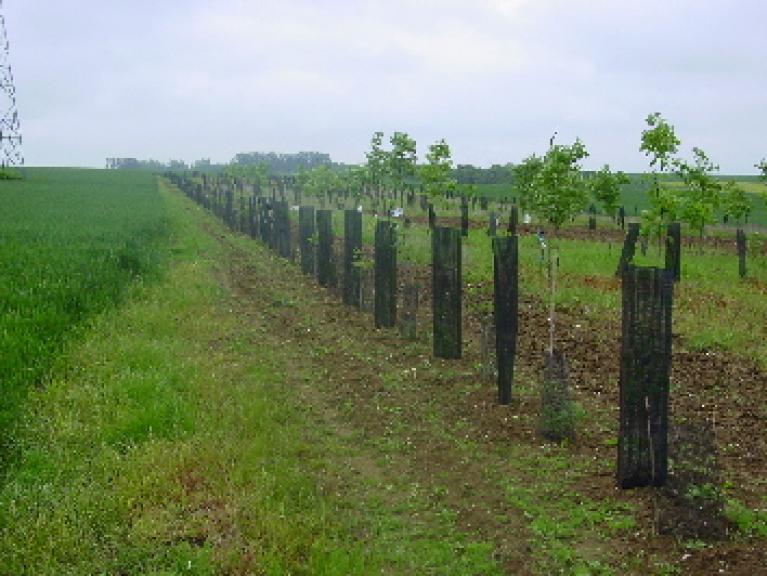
(70, 242)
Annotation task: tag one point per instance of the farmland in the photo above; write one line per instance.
(71, 242)
(229, 416)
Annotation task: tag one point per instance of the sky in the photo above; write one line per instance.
(191, 79)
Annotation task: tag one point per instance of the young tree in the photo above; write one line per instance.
(736, 202)
(353, 180)
(402, 161)
(320, 180)
(525, 174)
(762, 167)
(303, 179)
(606, 188)
(262, 174)
(702, 193)
(436, 173)
(559, 193)
(377, 161)
(664, 208)
(659, 142)
(559, 188)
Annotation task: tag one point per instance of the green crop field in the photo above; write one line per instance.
(71, 241)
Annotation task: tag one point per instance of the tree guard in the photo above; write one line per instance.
(408, 325)
(742, 247)
(492, 224)
(352, 247)
(644, 376)
(265, 221)
(385, 274)
(282, 228)
(432, 217)
(464, 217)
(326, 269)
(674, 250)
(446, 292)
(229, 216)
(629, 248)
(557, 417)
(252, 229)
(506, 301)
(306, 230)
(513, 220)
(487, 347)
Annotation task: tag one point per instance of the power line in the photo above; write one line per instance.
(10, 128)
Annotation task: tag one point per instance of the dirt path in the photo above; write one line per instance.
(359, 387)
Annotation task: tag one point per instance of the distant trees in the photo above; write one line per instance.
(136, 164)
(284, 163)
(496, 174)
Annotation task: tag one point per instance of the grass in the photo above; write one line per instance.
(749, 522)
(167, 439)
(71, 241)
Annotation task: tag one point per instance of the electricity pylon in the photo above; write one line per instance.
(10, 129)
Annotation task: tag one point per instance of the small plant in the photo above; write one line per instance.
(749, 522)
(559, 415)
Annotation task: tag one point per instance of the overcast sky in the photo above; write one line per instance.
(189, 79)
